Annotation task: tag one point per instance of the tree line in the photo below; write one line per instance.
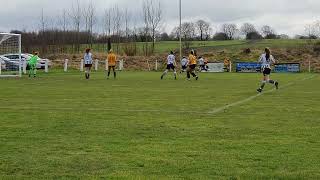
(76, 26)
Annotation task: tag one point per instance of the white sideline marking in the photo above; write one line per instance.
(223, 108)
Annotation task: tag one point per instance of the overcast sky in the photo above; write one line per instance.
(285, 16)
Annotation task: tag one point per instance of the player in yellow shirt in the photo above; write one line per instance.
(112, 58)
(192, 66)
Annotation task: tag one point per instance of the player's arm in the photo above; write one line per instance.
(273, 59)
(260, 59)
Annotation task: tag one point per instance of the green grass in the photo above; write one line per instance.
(60, 126)
(167, 46)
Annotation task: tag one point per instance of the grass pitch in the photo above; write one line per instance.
(61, 126)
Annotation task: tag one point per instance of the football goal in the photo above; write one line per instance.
(10, 55)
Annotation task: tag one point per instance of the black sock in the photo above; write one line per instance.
(108, 73)
(193, 74)
(271, 81)
(114, 74)
(188, 75)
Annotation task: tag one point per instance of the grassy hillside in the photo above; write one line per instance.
(166, 46)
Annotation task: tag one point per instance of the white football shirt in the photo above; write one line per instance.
(88, 58)
(171, 59)
(184, 62)
(266, 63)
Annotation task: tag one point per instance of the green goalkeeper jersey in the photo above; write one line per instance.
(34, 60)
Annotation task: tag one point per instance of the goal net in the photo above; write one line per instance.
(10, 55)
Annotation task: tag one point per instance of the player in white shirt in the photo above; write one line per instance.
(171, 64)
(267, 60)
(184, 64)
(88, 61)
(202, 64)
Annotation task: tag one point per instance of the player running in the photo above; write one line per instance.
(33, 64)
(88, 61)
(112, 58)
(192, 66)
(266, 61)
(184, 64)
(202, 64)
(171, 64)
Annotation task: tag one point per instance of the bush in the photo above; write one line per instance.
(253, 36)
(271, 36)
(130, 49)
(220, 37)
(316, 47)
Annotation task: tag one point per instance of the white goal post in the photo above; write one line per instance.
(10, 55)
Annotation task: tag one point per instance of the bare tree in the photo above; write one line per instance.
(188, 33)
(230, 30)
(108, 26)
(247, 28)
(117, 25)
(313, 30)
(43, 24)
(145, 31)
(152, 16)
(90, 20)
(203, 29)
(127, 20)
(43, 27)
(75, 15)
(267, 31)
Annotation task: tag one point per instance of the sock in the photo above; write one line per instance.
(193, 74)
(188, 75)
(114, 74)
(108, 73)
(263, 83)
(271, 81)
(164, 73)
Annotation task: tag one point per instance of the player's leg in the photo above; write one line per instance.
(193, 72)
(114, 72)
(165, 72)
(86, 71)
(34, 70)
(273, 82)
(30, 70)
(109, 69)
(174, 72)
(89, 71)
(188, 73)
(265, 79)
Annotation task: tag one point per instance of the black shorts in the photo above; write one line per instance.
(202, 67)
(170, 66)
(88, 65)
(266, 71)
(192, 66)
(184, 67)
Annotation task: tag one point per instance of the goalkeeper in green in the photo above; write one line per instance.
(33, 64)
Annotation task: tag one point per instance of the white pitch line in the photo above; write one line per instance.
(223, 108)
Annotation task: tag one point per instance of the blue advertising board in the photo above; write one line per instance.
(246, 67)
(287, 67)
